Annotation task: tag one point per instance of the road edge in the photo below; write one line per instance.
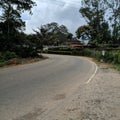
(96, 69)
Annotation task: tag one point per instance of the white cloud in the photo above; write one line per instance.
(61, 11)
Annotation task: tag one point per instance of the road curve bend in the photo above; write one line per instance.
(34, 90)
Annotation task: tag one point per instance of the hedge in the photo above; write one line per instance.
(111, 56)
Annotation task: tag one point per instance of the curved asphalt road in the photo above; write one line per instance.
(28, 89)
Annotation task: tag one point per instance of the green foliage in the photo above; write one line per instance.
(58, 52)
(87, 52)
(92, 53)
(20, 5)
(1, 58)
(61, 49)
(85, 32)
(95, 13)
(114, 19)
(111, 56)
(52, 34)
(6, 56)
(11, 39)
(9, 55)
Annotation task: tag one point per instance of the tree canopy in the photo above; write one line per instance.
(11, 23)
(53, 34)
(103, 17)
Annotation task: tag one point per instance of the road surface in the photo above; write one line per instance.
(32, 91)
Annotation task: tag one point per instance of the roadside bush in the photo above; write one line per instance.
(58, 52)
(87, 52)
(9, 55)
(108, 56)
(76, 52)
(61, 49)
(119, 57)
(2, 64)
(116, 57)
(98, 55)
(92, 53)
(6, 56)
(1, 57)
(111, 56)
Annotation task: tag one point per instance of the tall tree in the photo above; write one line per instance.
(84, 32)
(94, 13)
(10, 20)
(52, 34)
(69, 36)
(114, 17)
(104, 17)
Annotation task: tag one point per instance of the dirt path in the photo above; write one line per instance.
(98, 100)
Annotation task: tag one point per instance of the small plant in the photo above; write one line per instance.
(9, 55)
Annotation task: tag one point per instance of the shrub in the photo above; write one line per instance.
(119, 57)
(87, 52)
(108, 56)
(59, 52)
(111, 56)
(92, 53)
(1, 57)
(9, 55)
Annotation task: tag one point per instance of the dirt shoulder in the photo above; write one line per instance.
(98, 100)
(21, 61)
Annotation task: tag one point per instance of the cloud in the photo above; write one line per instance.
(60, 11)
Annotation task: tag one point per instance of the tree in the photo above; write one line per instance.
(10, 20)
(69, 36)
(104, 17)
(94, 12)
(20, 5)
(114, 17)
(41, 35)
(84, 32)
(10, 25)
(52, 34)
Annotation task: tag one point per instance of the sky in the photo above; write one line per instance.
(64, 12)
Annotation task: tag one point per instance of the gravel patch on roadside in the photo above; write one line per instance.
(98, 100)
